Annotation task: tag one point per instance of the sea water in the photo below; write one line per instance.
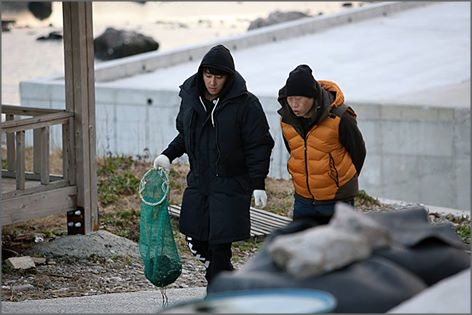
(172, 24)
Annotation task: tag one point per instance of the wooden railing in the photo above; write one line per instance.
(39, 123)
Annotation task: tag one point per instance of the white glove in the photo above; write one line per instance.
(162, 161)
(260, 198)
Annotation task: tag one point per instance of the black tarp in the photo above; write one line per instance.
(422, 254)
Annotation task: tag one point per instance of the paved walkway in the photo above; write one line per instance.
(134, 302)
(451, 295)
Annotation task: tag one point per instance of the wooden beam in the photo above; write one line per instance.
(36, 122)
(80, 99)
(36, 151)
(31, 190)
(40, 204)
(68, 152)
(44, 155)
(28, 111)
(10, 147)
(31, 176)
(20, 160)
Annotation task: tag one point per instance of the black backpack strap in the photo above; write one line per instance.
(339, 111)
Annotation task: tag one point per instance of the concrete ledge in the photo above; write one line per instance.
(432, 209)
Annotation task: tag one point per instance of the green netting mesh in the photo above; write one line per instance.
(162, 264)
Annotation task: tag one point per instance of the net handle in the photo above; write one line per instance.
(165, 187)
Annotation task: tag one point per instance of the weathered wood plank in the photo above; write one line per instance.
(68, 152)
(36, 122)
(31, 176)
(44, 157)
(27, 111)
(40, 204)
(9, 185)
(31, 190)
(10, 146)
(36, 151)
(20, 160)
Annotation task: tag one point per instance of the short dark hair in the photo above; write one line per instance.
(215, 71)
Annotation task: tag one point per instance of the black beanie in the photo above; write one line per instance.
(301, 82)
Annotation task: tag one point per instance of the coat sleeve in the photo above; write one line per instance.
(257, 143)
(176, 147)
(351, 138)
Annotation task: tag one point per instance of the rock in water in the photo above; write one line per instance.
(275, 18)
(113, 44)
(40, 10)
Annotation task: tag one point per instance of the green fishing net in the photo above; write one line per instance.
(157, 247)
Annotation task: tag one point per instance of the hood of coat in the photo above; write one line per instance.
(329, 95)
(219, 57)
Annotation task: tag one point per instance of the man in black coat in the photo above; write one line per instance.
(224, 131)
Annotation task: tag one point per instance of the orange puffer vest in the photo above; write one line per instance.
(319, 165)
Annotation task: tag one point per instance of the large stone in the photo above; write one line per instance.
(100, 243)
(317, 251)
(51, 36)
(115, 43)
(275, 18)
(40, 10)
(23, 262)
(351, 220)
(350, 236)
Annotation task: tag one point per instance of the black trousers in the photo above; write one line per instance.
(215, 257)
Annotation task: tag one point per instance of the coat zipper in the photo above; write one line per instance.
(217, 149)
(212, 118)
(216, 135)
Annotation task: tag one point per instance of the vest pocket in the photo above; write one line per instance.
(333, 172)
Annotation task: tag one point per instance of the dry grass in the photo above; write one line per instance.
(55, 160)
(119, 204)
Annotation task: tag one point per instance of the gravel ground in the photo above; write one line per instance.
(102, 262)
(93, 267)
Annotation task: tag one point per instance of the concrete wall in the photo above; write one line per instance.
(414, 153)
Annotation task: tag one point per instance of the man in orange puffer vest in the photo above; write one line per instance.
(326, 147)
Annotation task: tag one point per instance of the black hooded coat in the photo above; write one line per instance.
(228, 144)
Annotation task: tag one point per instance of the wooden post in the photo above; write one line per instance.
(37, 151)
(68, 153)
(11, 146)
(80, 99)
(44, 152)
(20, 160)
